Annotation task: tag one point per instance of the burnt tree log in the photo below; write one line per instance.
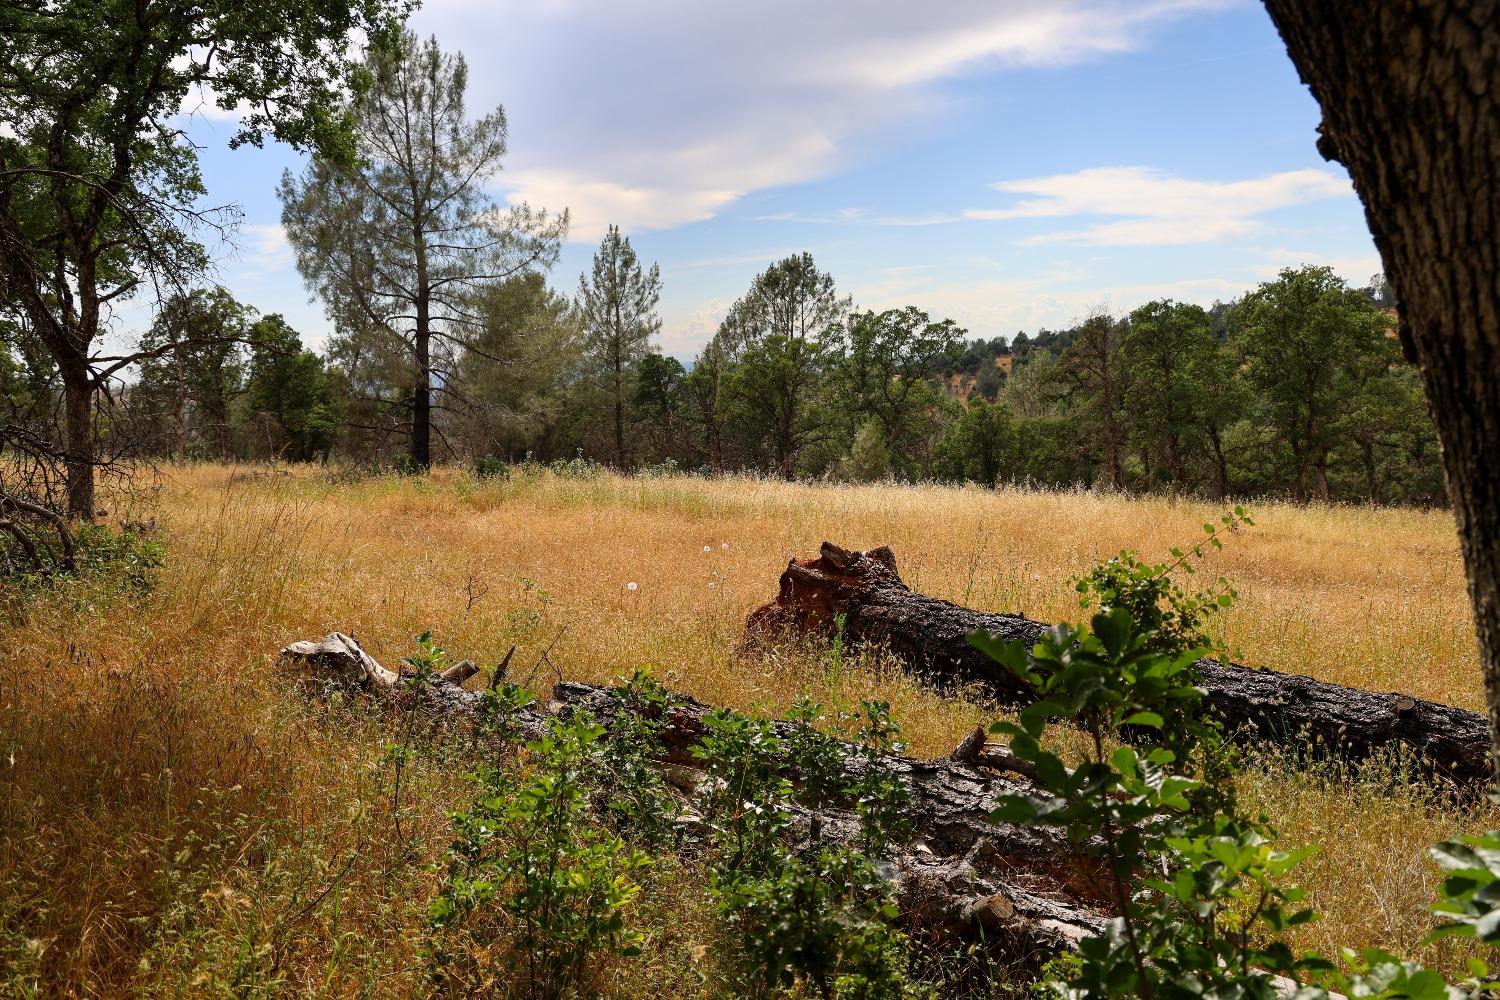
(1026, 893)
(864, 590)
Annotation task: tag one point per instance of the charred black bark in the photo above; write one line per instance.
(1025, 892)
(928, 635)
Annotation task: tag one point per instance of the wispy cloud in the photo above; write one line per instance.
(664, 113)
(1153, 208)
(859, 216)
(264, 251)
(1354, 268)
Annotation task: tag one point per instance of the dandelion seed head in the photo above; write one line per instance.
(708, 548)
(630, 585)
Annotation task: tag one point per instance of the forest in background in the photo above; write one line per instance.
(1296, 389)
(450, 343)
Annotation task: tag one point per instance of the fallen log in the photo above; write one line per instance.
(864, 591)
(1025, 892)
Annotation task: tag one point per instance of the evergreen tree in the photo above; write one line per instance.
(291, 408)
(519, 376)
(400, 245)
(194, 371)
(618, 302)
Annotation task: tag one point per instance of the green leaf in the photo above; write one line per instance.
(1144, 718)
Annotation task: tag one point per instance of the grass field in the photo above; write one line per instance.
(174, 822)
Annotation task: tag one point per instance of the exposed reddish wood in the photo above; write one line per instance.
(865, 591)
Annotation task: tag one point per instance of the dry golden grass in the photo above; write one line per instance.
(174, 823)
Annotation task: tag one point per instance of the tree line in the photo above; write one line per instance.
(1295, 389)
(449, 343)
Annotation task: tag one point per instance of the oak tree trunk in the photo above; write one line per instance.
(78, 430)
(1410, 92)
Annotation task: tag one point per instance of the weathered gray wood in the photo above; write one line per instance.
(928, 635)
(1024, 891)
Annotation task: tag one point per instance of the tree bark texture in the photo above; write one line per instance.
(1410, 93)
(1026, 893)
(929, 636)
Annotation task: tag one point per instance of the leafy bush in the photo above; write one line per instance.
(819, 915)
(128, 558)
(632, 794)
(1199, 889)
(527, 860)
(489, 467)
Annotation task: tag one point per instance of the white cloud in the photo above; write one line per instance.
(1154, 208)
(265, 252)
(1354, 268)
(1054, 298)
(684, 332)
(665, 112)
(595, 203)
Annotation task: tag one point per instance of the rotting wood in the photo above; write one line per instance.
(960, 877)
(865, 592)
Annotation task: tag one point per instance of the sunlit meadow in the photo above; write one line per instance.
(175, 821)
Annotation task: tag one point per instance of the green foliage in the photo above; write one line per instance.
(1205, 921)
(1304, 339)
(1173, 617)
(881, 370)
(771, 356)
(981, 446)
(618, 307)
(869, 459)
(103, 194)
(1201, 898)
(747, 793)
(489, 467)
(526, 856)
(632, 794)
(289, 395)
(126, 559)
(128, 556)
(1173, 395)
(195, 373)
(826, 921)
(820, 915)
(402, 239)
(1470, 902)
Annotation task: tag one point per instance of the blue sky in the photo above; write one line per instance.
(1007, 163)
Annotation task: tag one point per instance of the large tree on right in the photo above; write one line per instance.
(1410, 92)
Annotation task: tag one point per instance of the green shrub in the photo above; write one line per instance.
(818, 915)
(127, 558)
(533, 885)
(489, 467)
(1200, 890)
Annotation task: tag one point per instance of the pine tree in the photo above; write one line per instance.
(401, 246)
(618, 304)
